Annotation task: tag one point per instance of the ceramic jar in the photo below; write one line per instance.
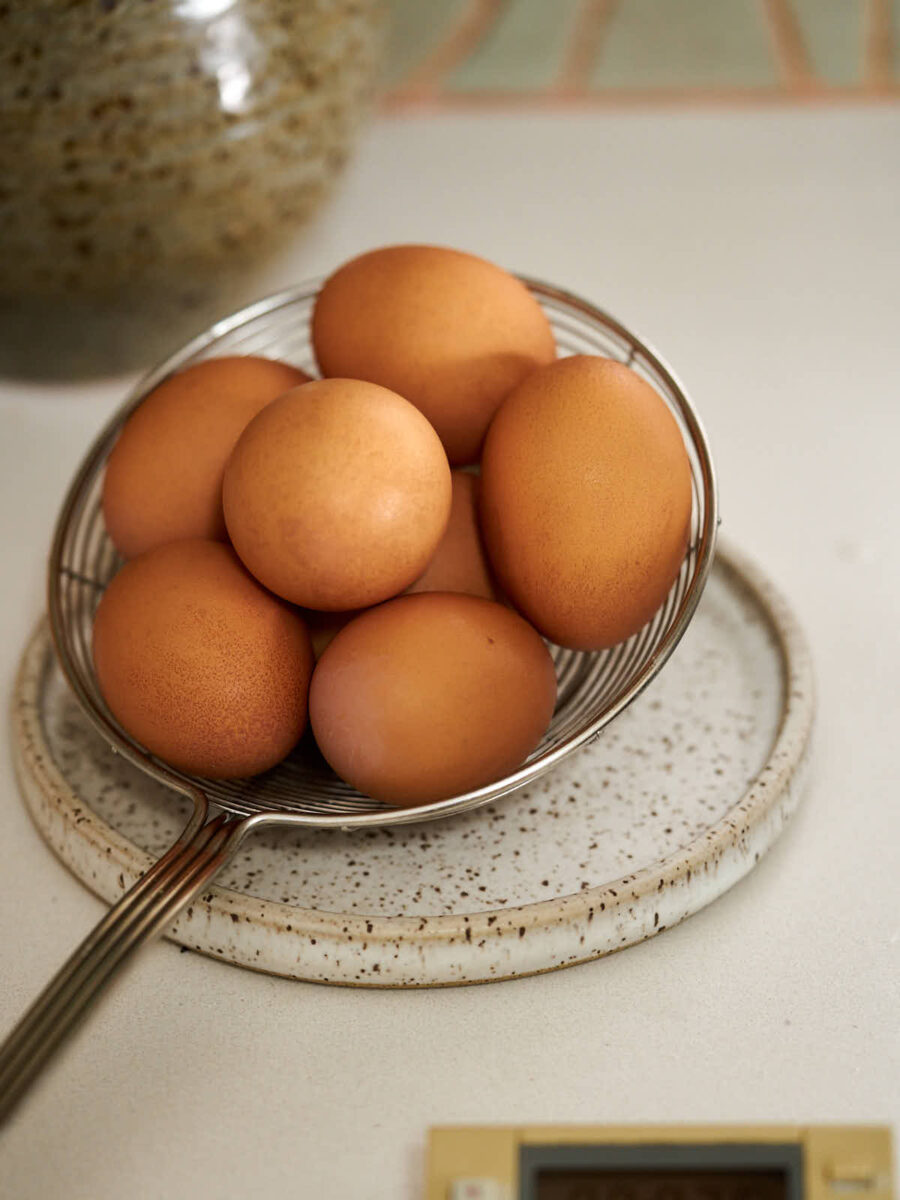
(161, 143)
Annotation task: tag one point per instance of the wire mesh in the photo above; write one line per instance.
(593, 687)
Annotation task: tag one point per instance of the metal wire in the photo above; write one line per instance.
(593, 687)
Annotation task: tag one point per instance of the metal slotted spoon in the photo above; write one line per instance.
(593, 687)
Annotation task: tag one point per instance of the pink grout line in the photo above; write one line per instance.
(878, 44)
(588, 30)
(626, 99)
(425, 81)
(788, 45)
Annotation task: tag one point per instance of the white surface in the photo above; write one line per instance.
(759, 252)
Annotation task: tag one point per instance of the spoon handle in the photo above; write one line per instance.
(145, 910)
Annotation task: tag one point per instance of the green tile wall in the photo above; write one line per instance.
(416, 27)
(524, 50)
(685, 43)
(833, 35)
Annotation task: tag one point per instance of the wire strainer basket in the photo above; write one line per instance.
(593, 687)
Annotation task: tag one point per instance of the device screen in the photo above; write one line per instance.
(660, 1185)
(749, 1171)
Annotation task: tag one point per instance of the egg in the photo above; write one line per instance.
(586, 500)
(431, 695)
(447, 330)
(337, 494)
(460, 562)
(200, 664)
(163, 479)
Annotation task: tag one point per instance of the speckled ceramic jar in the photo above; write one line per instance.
(162, 144)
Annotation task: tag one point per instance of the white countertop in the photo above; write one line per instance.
(758, 251)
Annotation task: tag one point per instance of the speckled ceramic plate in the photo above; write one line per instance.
(676, 801)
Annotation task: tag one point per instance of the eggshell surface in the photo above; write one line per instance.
(200, 664)
(460, 563)
(449, 331)
(163, 480)
(431, 695)
(337, 494)
(586, 500)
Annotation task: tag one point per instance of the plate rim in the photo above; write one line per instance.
(765, 805)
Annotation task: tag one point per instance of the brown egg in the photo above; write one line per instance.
(460, 563)
(164, 476)
(199, 663)
(449, 331)
(337, 494)
(431, 695)
(586, 501)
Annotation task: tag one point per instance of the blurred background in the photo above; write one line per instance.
(156, 159)
(623, 51)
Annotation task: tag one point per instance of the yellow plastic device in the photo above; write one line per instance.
(677, 1162)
